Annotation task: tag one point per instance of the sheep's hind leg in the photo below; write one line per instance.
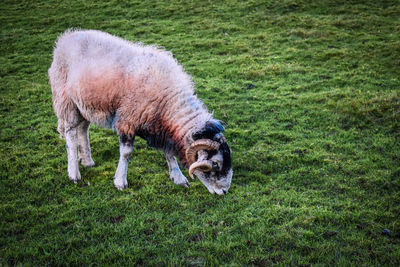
(175, 173)
(71, 145)
(84, 154)
(125, 150)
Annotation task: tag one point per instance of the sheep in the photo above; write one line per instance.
(136, 90)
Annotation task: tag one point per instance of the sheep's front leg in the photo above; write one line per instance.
(84, 154)
(174, 172)
(125, 151)
(71, 145)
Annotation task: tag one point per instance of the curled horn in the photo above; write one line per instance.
(204, 166)
(202, 163)
(201, 144)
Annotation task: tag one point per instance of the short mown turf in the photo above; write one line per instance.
(309, 92)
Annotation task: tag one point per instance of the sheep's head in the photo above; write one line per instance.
(210, 160)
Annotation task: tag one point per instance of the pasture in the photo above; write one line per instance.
(310, 95)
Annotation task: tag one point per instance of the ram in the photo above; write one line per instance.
(137, 90)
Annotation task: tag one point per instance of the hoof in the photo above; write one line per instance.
(75, 181)
(75, 178)
(179, 179)
(186, 184)
(120, 186)
(86, 163)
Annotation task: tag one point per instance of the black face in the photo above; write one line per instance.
(226, 159)
(212, 130)
(226, 154)
(217, 180)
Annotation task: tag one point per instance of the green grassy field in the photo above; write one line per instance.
(309, 92)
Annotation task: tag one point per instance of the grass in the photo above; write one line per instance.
(309, 91)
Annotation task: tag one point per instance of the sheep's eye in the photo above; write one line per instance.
(215, 165)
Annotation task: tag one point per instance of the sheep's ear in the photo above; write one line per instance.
(211, 128)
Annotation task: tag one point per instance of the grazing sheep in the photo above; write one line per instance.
(138, 90)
